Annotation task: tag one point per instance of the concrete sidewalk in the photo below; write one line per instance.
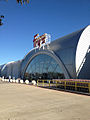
(25, 102)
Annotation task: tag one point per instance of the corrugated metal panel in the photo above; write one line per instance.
(11, 69)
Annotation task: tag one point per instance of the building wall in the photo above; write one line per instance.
(85, 68)
(36, 52)
(1, 66)
(65, 51)
(11, 69)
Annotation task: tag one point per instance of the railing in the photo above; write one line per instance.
(66, 84)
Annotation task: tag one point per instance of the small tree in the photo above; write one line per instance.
(22, 1)
(1, 17)
(18, 1)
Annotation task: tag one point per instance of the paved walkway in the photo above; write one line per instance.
(25, 102)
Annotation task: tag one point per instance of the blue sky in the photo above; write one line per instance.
(21, 23)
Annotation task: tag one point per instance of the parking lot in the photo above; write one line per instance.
(26, 102)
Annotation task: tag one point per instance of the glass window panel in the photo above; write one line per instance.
(58, 70)
(50, 69)
(43, 67)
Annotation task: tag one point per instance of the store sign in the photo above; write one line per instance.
(39, 41)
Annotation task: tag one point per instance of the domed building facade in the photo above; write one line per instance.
(64, 58)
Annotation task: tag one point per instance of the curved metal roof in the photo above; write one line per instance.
(64, 48)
